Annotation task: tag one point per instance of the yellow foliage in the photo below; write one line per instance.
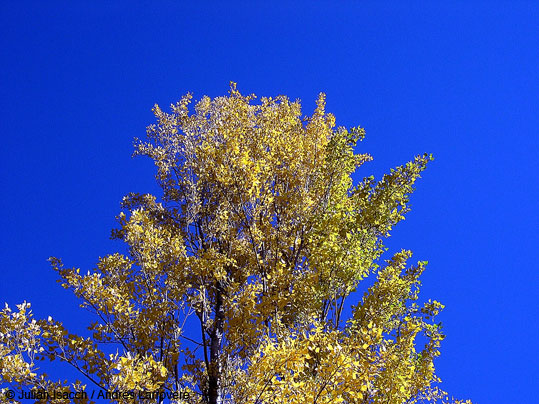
(235, 281)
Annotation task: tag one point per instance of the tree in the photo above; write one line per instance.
(259, 238)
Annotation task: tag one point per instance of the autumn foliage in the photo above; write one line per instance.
(234, 283)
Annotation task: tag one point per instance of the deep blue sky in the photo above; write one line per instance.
(456, 79)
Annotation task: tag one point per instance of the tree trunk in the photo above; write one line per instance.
(215, 370)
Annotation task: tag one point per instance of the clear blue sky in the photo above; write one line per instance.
(456, 79)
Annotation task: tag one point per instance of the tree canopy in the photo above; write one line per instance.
(233, 284)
